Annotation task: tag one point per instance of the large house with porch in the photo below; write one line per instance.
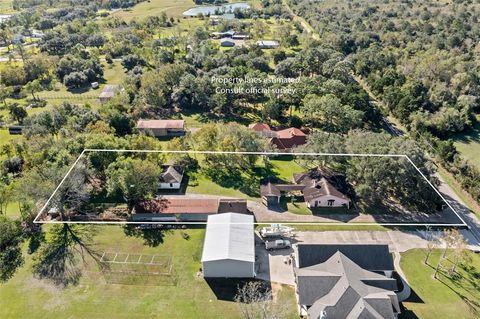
(320, 187)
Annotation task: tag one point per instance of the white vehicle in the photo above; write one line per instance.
(275, 230)
(277, 244)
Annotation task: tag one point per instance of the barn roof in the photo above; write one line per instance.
(229, 236)
(152, 124)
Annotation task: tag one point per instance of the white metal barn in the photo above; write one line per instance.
(229, 247)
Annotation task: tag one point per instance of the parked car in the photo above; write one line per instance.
(277, 244)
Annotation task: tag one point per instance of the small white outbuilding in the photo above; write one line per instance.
(229, 247)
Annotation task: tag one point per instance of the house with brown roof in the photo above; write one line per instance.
(162, 128)
(182, 208)
(284, 140)
(320, 187)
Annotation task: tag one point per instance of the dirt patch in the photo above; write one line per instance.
(276, 289)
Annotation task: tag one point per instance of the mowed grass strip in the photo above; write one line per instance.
(444, 297)
(144, 9)
(468, 144)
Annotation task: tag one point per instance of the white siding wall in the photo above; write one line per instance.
(323, 201)
(169, 185)
(228, 269)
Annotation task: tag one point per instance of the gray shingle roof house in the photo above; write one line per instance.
(368, 256)
(171, 177)
(320, 187)
(227, 42)
(268, 44)
(332, 284)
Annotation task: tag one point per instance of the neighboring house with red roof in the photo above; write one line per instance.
(162, 128)
(284, 140)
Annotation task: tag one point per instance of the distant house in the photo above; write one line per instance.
(108, 92)
(226, 34)
(5, 17)
(260, 127)
(18, 38)
(240, 36)
(181, 208)
(284, 140)
(268, 44)
(162, 128)
(289, 138)
(37, 34)
(227, 42)
(216, 19)
(319, 187)
(171, 177)
(229, 247)
(15, 130)
(345, 281)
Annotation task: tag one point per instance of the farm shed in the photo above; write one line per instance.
(229, 247)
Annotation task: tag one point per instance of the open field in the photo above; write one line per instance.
(468, 145)
(154, 8)
(6, 7)
(444, 298)
(5, 137)
(26, 297)
(113, 74)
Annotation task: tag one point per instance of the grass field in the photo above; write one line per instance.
(444, 298)
(173, 8)
(6, 7)
(26, 297)
(113, 74)
(468, 145)
(5, 137)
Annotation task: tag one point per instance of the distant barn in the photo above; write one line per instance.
(108, 92)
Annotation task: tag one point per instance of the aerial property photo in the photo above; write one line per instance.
(257, 159)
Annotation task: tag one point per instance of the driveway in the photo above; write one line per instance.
(398, 241)
(272, 265)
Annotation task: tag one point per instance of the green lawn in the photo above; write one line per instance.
(26, 297)
(6, 7)
(204, 185)
(284, 167)
(113, 74)
(156, 7)
(5, 137)
(444, 298)
(468, 144)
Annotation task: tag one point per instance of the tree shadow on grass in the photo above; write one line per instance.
(152, 237)
(59, 260)
(472, 304)
(227, 288)
(246, 182)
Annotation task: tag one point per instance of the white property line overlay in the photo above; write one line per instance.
(36, 221)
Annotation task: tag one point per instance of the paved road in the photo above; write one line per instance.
(468, 216)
